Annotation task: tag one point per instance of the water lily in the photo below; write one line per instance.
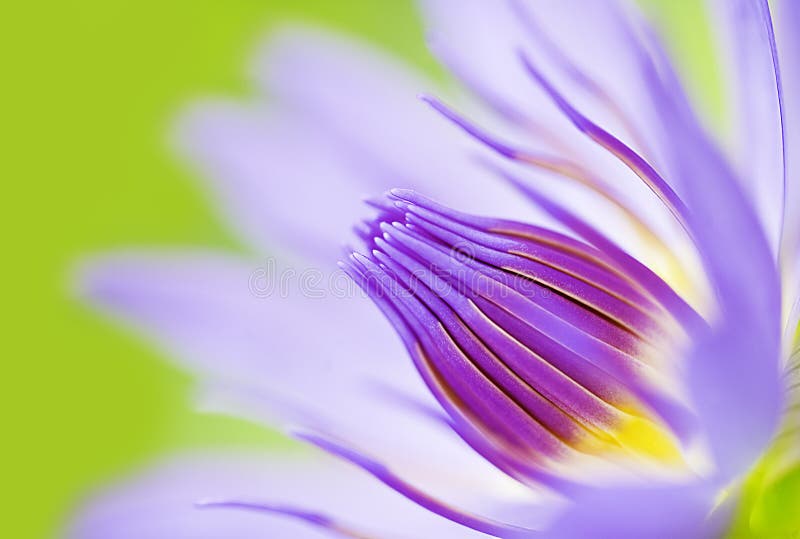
(595, 298)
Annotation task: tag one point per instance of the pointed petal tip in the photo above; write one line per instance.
(91, 281)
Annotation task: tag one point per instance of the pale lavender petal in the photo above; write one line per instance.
(653, 511)
(457, 515)
(592, 48)
(726, 363)
(480, 40)
(284, 357)
(788, 36)
(367, 100)
(349, 125)
(286, 187)
(734, 368)
(588, 47)
(246, 320)
(303, 497)
(747, 50)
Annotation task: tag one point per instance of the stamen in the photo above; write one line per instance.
(544, 379)
(640, 274)
(562, 167)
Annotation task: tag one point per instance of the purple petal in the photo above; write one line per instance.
(592, 48)
(613, 252)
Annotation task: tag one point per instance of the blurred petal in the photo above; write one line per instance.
(727, 362)
(217, 312)
(788, 30)
(747, 43)
(734, 368)
(368, 100)
(478, 41)
(162, 502)
(286, 359)
(656, 512)
(481, 40)
(282, 183)
(350, 125)
(591, 48)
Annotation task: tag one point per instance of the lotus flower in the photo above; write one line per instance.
(595, 299)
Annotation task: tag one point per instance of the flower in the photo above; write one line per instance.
(614, 370)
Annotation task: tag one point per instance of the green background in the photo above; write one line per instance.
(89, 91)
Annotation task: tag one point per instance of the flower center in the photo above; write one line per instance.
(542, 349)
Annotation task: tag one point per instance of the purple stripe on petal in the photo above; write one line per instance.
(382, 473)
(516, 360)
(755, 86)
(310, 517)
(562, 306)
(479, 334)
(493, 375)
(641, 274)
(605, 139)
(573, 278)
(548, 253)
(536, 31)
(449, 374)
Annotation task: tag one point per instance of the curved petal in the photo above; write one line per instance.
(349, 125)
(163, 502)
(282, 183)
(727, 362)
(592, 48)
(481, 41)
(368, 99)
(248, 321)
(788, 37)
(477, 40)
(489, 526)
(734, 368)
(748, 45)
(284, 356)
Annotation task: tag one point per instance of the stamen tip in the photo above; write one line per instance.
(401, 193)
(358, 257)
